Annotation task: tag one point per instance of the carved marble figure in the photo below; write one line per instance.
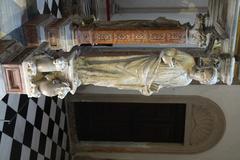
(51, 76)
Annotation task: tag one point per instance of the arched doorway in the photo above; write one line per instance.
(204, 124)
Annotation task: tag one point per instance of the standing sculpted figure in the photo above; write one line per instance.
(144, 73)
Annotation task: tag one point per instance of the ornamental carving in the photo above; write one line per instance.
(202, 124)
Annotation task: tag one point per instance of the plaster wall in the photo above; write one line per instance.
(182, 16)
(161, 3)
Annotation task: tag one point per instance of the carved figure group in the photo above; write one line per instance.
(144, 73)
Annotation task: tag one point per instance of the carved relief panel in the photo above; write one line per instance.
(132, 36)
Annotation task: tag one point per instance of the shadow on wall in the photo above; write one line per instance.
(13, 14)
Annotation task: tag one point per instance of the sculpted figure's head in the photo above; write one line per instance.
(208, 76)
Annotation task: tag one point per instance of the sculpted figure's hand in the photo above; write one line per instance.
(168, 57)
(170, 61)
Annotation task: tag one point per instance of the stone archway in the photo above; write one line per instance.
(204, 126)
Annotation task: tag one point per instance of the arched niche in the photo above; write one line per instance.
(204, 126)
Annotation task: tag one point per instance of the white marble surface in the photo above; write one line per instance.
(12, 15)
(2, 85)
(232, 24)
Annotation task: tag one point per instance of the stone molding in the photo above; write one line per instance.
(204, 126)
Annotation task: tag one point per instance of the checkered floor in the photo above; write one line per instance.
(53, 7)
(37, 129)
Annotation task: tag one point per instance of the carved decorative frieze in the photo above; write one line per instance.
(161, 31)
(66, 32)
(138, 36)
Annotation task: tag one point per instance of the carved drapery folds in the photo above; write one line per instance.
(50, 72)
(43, 71)
(54, 73)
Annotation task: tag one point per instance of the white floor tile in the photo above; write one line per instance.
(31, 114)
(59, 103)
(64, 141)
(41, 102)
(35, 139)
(55, 133)
(59, 15)
(12, 15)
(53, 110)
(13, 101)
(50, 4)
(62, 120)
(19, 128)
(58, 154)
(3, 108)
(5, 147)
(40, 5)
(2, 84)
(25, 153)
(48, 148)
(40, 157)
(57, 2)
(45, 121)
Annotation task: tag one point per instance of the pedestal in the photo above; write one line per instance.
(12, 56)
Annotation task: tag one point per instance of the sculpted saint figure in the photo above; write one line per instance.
(144, 73)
